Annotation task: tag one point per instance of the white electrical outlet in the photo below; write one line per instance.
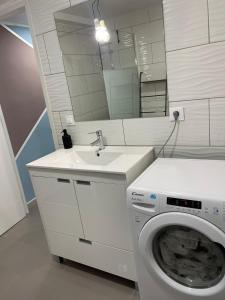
(181, 113)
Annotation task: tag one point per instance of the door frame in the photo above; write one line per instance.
(11, 8)
(145, 245)
(22, 196)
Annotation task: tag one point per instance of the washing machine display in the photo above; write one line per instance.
(184, 203)
(189, 257)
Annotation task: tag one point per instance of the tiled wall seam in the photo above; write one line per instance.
(43, 36)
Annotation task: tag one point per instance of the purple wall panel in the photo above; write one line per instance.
(21, 94)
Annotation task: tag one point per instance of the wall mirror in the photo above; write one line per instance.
(114, 59)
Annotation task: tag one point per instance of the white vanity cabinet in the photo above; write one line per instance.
(84, 212)
(86, 220)
(58, 205)
(104, 212)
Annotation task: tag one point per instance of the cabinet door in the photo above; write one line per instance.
(58, 205)
(104, 213)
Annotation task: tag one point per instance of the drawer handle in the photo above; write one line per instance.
(85, 241)
(82, 182)
(63, 180)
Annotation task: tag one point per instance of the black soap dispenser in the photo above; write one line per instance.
(67, 141)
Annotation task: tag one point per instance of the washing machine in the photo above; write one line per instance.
(177, 211)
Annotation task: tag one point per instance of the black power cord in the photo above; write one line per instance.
(176, 117)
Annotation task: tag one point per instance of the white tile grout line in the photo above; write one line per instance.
(209, 107)
(43, 36)
(30, 134)
(16, 35)
(208, 15)
(124, 136)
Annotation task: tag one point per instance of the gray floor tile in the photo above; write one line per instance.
(28, 271)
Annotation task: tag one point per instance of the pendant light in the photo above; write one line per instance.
(102, 34)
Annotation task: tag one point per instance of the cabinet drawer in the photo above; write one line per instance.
(108, 259)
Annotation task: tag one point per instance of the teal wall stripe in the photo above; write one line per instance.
(39, 144)
(24, 32)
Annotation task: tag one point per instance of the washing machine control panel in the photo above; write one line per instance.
(211, 210)
(153, 203)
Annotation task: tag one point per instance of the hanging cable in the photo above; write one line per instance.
(95, 6)
(176, 117)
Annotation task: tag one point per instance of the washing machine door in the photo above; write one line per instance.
(185, 252)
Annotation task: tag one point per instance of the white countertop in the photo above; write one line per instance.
(69, 159)
(194, 178)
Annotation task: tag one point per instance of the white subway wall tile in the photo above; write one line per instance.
(101, 114)
(95, 82)
(149, 33)
(77, 85)
(160, 88)
(69, 43)
(158, 52)
(217, 20)
(81, 64)
(127, 58)
(186, 23)
(43, 55)
(131, 19)
(126, 39)
(58, 92)
(112, 132)
(196, 117)
(153, 115)
(153, 72)
(193, 152)
(144, 54)
(155, 131)
(42, 13)
(148, 89)
(54, 52)
(57, 126)
(156, 11)
(217, 122)
(152, 131)
(197, 73)
(63, 115)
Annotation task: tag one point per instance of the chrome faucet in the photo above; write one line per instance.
(99, 142)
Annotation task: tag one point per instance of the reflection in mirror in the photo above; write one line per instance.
(114, 58)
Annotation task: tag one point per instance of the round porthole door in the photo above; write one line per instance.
(186, 252)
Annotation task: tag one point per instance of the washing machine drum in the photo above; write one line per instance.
(185, 252)
(189, 257)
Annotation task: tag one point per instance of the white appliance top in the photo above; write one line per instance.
(193, 178)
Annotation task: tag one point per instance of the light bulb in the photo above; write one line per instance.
(101, 32)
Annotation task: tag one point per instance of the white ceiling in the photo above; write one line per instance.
(110, 8)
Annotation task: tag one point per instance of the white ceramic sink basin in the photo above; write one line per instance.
(113, 159)
(92, 158)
